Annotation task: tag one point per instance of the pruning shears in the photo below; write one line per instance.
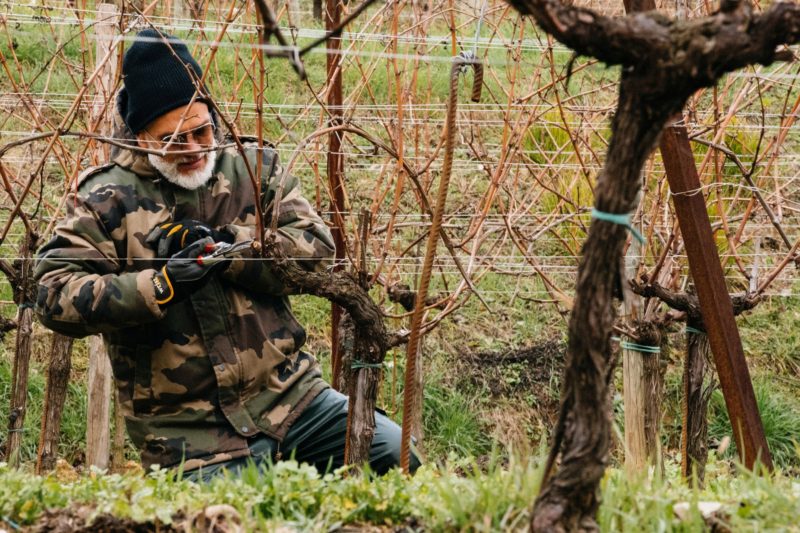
(223, 251)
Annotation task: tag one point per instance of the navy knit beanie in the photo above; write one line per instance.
(155, 80)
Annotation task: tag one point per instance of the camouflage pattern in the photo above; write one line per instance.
(201, 376)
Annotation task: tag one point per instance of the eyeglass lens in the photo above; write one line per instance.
(201, 135)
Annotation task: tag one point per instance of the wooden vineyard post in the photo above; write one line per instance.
(97, 423)
(294, 7)
(416, 427)
(118, 442)
(98, 411)
(643, 380)
(178, 12)
(633, 387)
(107, 16)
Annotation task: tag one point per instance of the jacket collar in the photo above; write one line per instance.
(136, 163)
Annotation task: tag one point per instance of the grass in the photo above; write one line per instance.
(780, 415)
(457, 496)
(452, 423)
(773, 332)
(750, 502)
(288, 494)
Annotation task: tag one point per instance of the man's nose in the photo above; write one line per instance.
(192, 144)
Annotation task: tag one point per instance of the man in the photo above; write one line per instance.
(206, 354)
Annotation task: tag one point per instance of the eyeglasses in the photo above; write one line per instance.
(202, 135)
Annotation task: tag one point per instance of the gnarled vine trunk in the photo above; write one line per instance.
(568, 500)
(21, 279)
(365, 342)
(663, 63)
(55, 397)
(694, 432)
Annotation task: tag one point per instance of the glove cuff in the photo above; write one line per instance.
(164, 290)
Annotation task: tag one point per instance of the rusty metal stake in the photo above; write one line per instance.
(333, 15)
(459, 62)
(715, 303)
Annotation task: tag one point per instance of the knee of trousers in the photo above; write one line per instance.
(386, 447)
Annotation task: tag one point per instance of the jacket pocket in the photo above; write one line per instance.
(142, 383)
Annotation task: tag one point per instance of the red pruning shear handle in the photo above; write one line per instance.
(222, 251)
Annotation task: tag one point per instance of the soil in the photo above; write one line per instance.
(76, 519)
(533, 370)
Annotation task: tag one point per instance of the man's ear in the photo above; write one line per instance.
(141, 140)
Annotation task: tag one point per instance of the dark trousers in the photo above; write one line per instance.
(318, 438)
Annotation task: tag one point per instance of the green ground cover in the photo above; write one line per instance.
(459, 496)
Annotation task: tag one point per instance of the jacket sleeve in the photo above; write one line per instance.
(302, 235)
(82, 289)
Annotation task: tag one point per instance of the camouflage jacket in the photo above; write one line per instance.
(197, 379)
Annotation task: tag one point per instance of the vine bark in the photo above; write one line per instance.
(365, 341)
(663, 63)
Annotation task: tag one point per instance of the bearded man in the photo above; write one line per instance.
(206, 355)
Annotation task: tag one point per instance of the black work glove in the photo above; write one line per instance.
(185, 272)
(170, 238)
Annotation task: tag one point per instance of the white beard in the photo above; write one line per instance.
(191, 180)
